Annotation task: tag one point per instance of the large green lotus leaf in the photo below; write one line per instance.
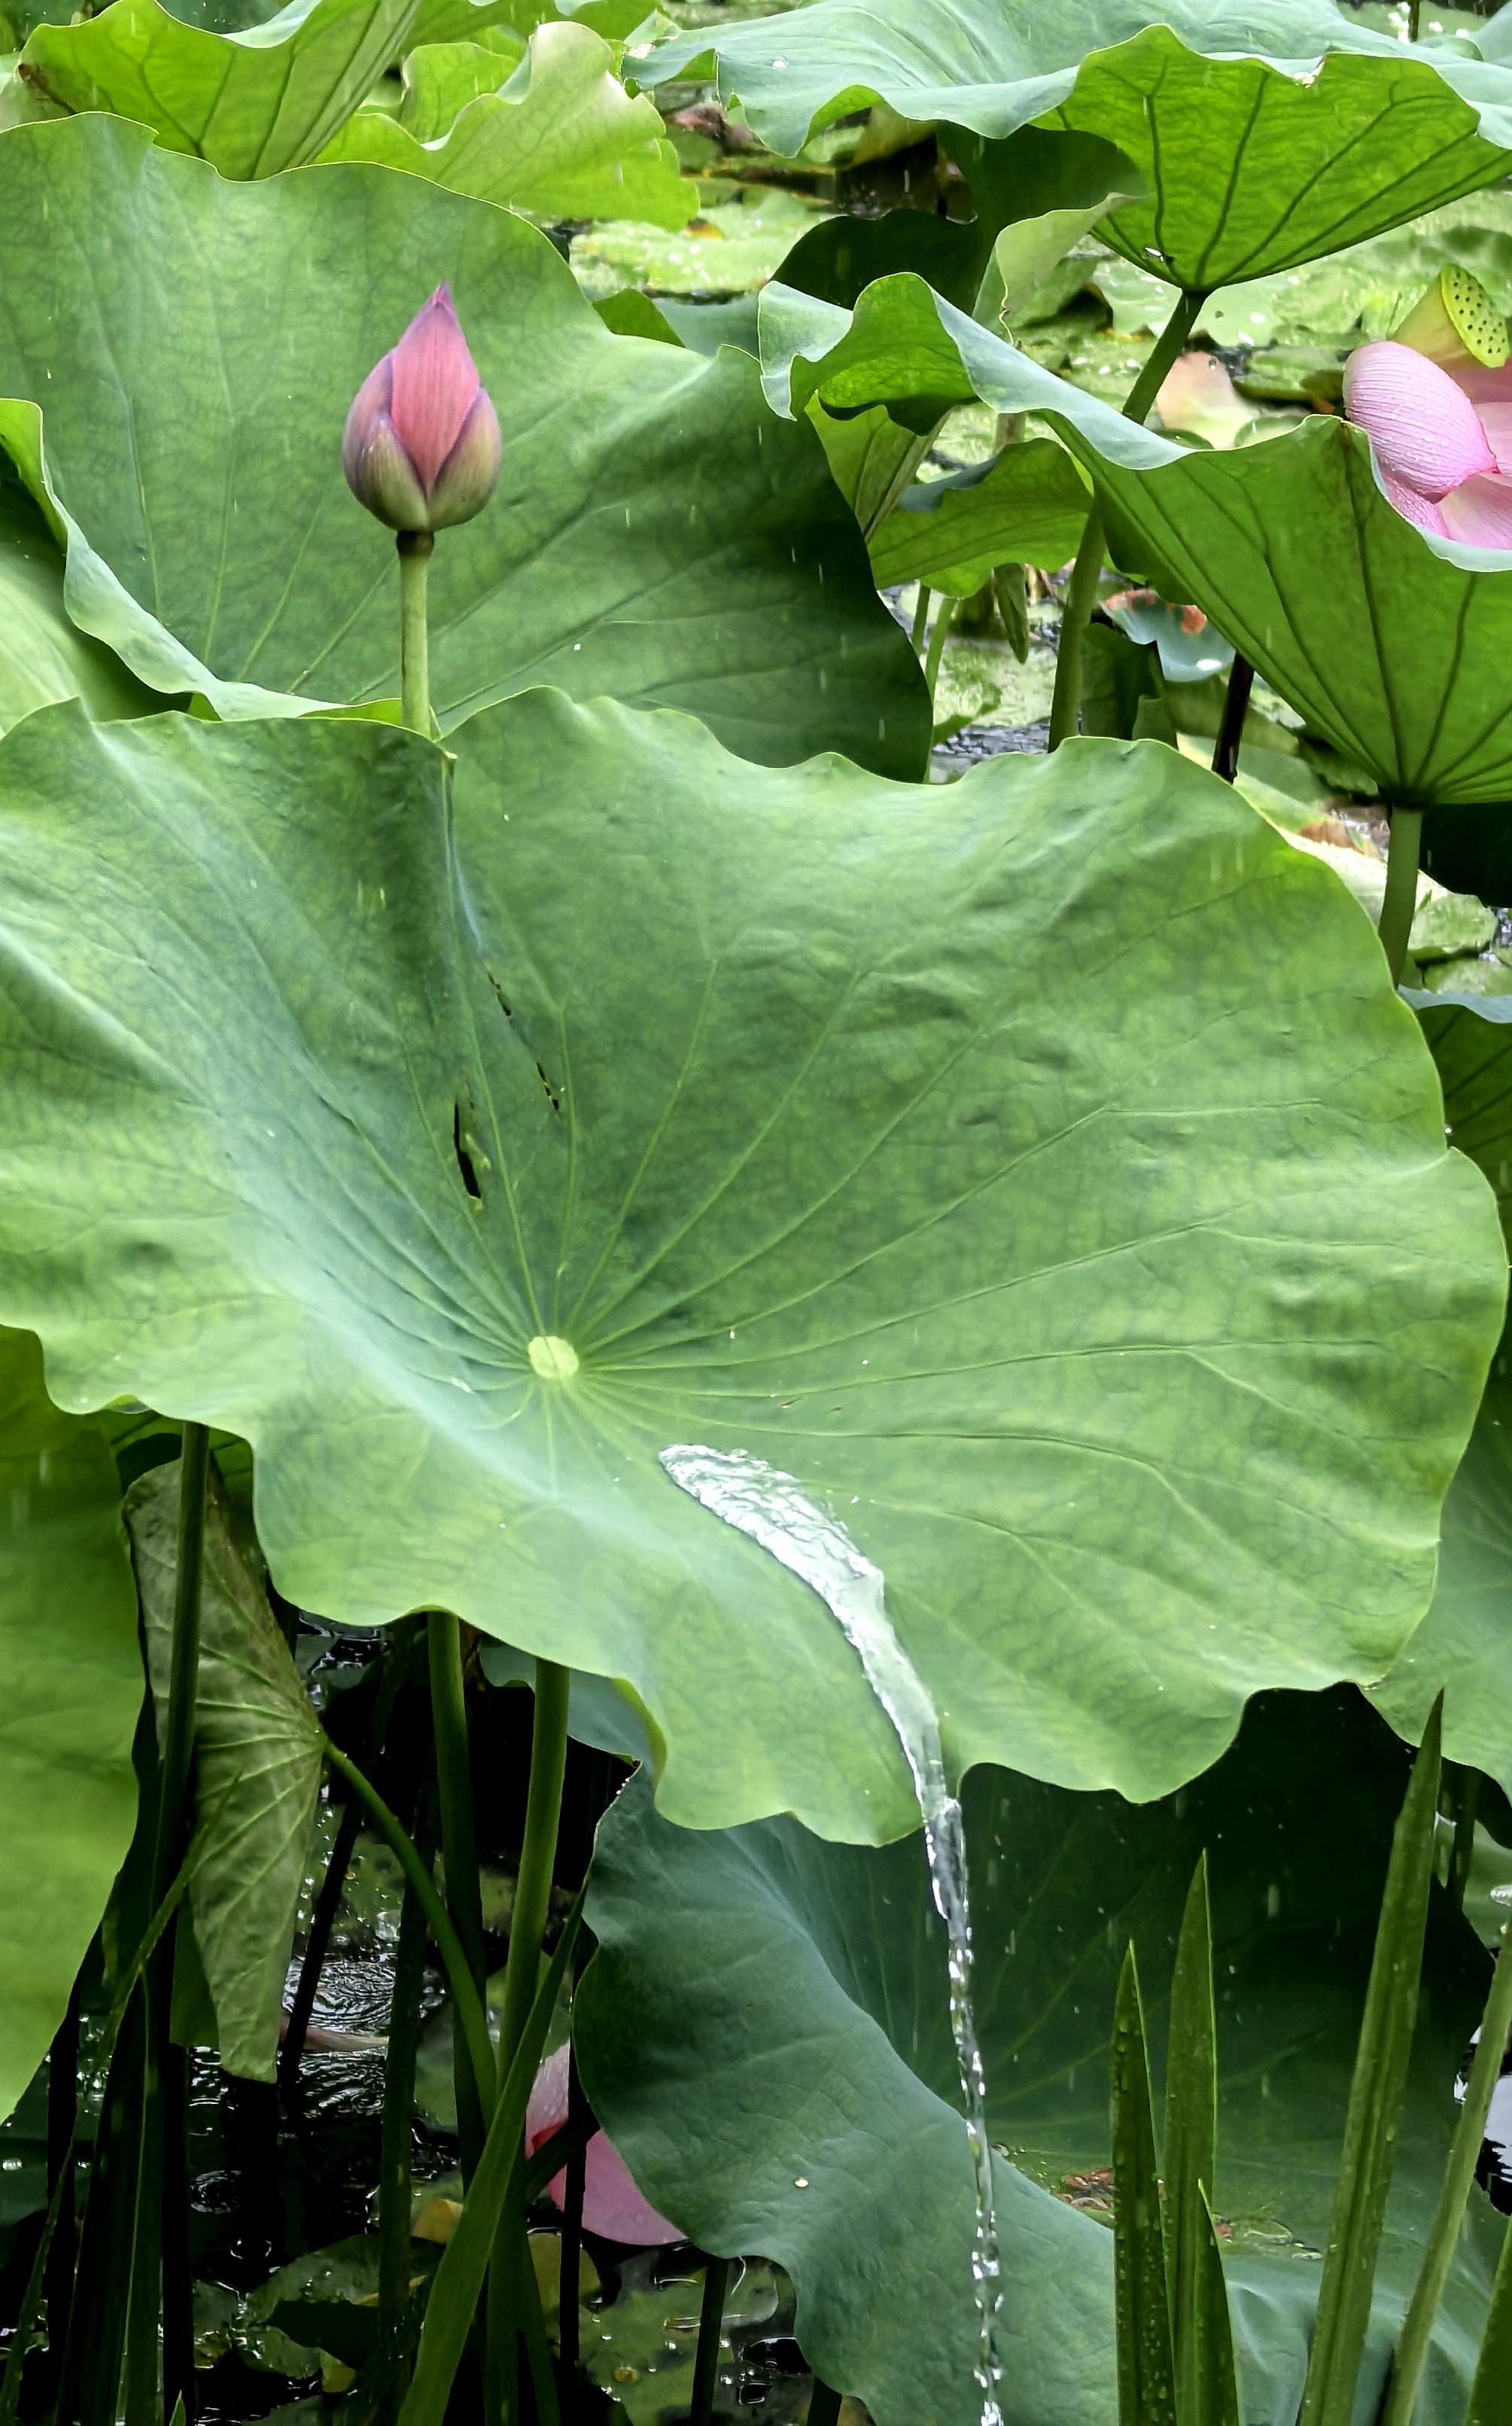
(1464, 1644)
(562, 137)
(654, 535)
(763, 2033)
(778, 1111)
(71, 1688)
(1391, 643)
(1026, 506)
(257, 1762)
(251, 103)
(43, 657)
(1250, 160)
(1251, 169)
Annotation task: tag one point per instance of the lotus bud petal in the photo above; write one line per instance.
(1414, 508)
(611, 2203)
(1455, 323)
(1479, 512)
(421, 445)
(1425, 429)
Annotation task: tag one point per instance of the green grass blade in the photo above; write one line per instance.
(1491, 2395)
(1214, 2390)
(1376, 2094)
(1147, 2393)
(460, 2278)
(1191, 2131)
(1443, 2235)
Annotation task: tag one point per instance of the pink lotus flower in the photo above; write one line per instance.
(611, 2203)
(1438, 418)
(421, 445)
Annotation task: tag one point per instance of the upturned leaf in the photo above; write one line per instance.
(1254, 154)
(256, 1773)
(71, 1688)
(1389, 642)
(250, 103)
(561, 136)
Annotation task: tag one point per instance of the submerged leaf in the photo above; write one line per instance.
(257, 1766)
(464, 1164)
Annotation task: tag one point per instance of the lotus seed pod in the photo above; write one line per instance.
(421, 445)
(1455, 323)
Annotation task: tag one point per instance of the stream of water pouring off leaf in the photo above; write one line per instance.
(757, 1500)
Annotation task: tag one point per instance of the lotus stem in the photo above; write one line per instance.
(1076, 615)
(1443, 2234)
(459, 1840)
(921, 619)
(538, 1855)
(706, 2362)
(1081, 591)
(1236, 708)
(823, 2405)
(1400, 897)
(949, 610)
(414, 635)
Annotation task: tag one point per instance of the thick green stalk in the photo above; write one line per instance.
(415, 635)
(464, 1995)
(949, 610)
(527, 1924)
(1375, 2094)
(160, 2285)
(823, 2405)
(1231, 725)
(396, 2188)
(1401, 899)
(1443, 2234)
(458, 1838)
(921, 618)
(537, 1854)
(707, 2358)
(1081, 592)
(1076, 615)
(62, 2181)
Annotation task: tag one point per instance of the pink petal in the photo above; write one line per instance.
(611, 2203)
(1425, 431)
(465, 481)
(1479, 512)
(1414, 508)
(435, 380)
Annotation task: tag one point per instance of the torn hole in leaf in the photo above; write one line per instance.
(464, 1160)
(552, 1096)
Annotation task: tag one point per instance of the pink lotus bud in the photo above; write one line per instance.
(611, 2203)
(1425, 431)
(421, 445)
